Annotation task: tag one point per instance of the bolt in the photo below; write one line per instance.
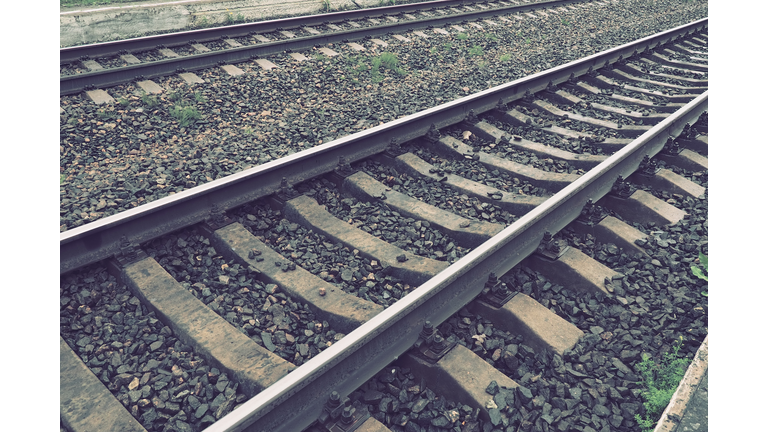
(438, 343)
(346, 416)
(427, 331)
(334, 400)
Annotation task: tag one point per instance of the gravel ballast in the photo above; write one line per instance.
(159, 379)
(258, 310)
(117, 157)
(657, 303)
(333, 262)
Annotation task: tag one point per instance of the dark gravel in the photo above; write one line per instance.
(436, 193)
(332, 262)
(477, 172)
(262, 312)
(160, 380)
(404, 402)
(377, 219)
(117, 157)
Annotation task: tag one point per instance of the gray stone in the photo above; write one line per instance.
(266, 337)
(493, 388)
(601, 410)
(201, 410)
(495, 416)
(525, 394)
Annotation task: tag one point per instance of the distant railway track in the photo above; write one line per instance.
(558, 141)
(108, 64)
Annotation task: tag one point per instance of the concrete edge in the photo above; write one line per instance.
(674, 412)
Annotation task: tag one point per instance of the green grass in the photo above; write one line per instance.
(175, 96)
(462, 36)
(506, 57)
(199, 97)
(476, 50)
(186, 115)
(385, 61)
(659, 380)
(149, 100)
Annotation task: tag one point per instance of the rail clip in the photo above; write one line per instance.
(339, 416)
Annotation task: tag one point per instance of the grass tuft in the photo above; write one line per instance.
(186, 115)
(659, 380)
(386, 60)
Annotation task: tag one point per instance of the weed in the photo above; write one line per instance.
(660, 380)
(506, 57)
(527, 40)
(248, 130)
(491, 36)
(564, 22)
(105, 115)
(375, 74)
(447, 46)
(476, 50)
(482, 65)
(174, 96)
(149, 100)
(462, 36)
(388, 61)
(123, 101)
(704, 261)
(199, 97)
(326, 6)
(202, 23)
(186, 115)
(61, 179)
(433, 50)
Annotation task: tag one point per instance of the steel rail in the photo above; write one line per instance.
(293, 402)
(70, 54)
(72, 84)
(101, 239)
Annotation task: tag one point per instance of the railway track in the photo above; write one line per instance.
(98, 66)
(270, 289)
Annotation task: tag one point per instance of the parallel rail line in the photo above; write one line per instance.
(72, 84)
